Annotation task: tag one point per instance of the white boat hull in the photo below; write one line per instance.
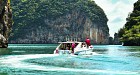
(83, 52)
(76, 52)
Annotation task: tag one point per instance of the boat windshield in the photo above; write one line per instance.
(67, 46)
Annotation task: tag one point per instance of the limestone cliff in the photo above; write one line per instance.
(5, 22)
(53, 21)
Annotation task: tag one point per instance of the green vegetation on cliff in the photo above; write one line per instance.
(130, 34)
(31, 14)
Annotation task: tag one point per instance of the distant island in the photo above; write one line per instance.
(51, 21)
(130, 34)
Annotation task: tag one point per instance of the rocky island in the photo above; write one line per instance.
(51, 21)
(5, 22)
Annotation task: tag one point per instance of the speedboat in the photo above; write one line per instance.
(66, 48)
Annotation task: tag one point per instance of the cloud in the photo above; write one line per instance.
(117, 20)
(117, 12)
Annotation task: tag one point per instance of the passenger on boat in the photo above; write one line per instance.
(68, 46)
(83, 45)
(87, 42)
(73, 46)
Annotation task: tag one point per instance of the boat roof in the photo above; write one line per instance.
(71, 42)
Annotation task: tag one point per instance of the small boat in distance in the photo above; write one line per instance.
(67, 48)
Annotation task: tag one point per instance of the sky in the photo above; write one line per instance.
(117, 11)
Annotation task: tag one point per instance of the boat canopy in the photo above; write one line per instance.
(71, 42)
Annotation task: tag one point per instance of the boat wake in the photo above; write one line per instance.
(55, 62)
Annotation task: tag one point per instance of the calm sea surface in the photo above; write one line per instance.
(38, 59)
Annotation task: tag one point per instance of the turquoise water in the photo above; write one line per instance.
(38, 59)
